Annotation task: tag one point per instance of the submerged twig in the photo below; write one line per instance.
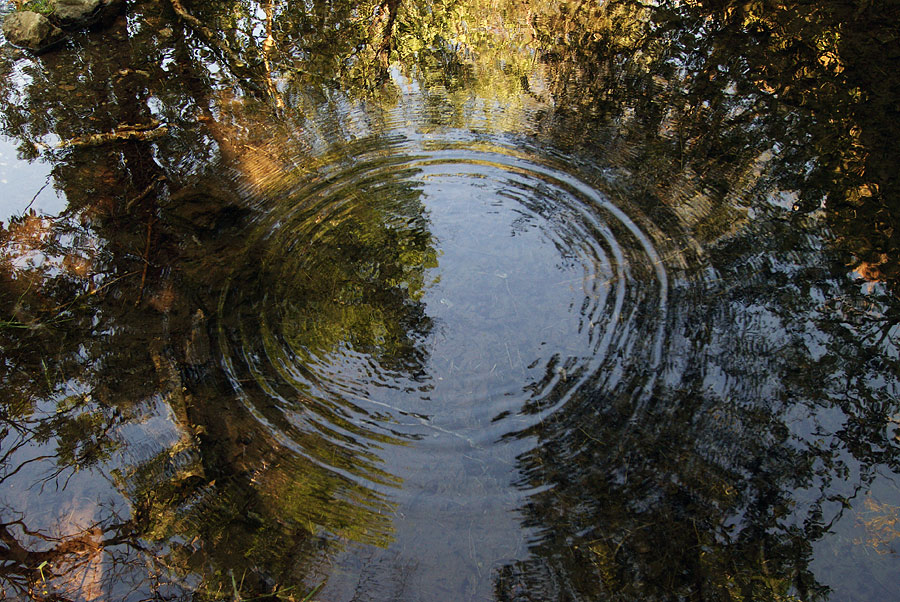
(146, 261)
(146, 192)
(123, 132)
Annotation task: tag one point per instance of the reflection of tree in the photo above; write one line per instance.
(783, 411)
(782, 408)
(340, 277)
(116, 301)
(703, 106)
(358, 281)
(721, 98)
(62, 568)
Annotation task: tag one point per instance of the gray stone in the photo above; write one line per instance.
(30, 30)
(77, 13)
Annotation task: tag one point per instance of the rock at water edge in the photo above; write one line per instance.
(75, 13)
(31, 30)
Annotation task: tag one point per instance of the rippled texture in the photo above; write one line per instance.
(452, 300)
(447, 299)
(457, 286)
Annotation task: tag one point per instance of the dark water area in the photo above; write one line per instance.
(453, 300)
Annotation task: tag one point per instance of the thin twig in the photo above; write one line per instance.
(146, 261)
(145, 193)
(116, 136)
(36, 195)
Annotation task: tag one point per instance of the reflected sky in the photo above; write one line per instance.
(17, 177)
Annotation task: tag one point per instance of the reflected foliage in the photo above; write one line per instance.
(763, 131)
(783, 408)
(358, 277)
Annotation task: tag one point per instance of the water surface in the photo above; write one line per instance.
(452, 301)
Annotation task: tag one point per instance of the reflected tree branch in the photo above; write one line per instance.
(232, 60)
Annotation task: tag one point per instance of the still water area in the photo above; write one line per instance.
(452, 300)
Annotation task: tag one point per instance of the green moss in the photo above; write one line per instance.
(38, 6)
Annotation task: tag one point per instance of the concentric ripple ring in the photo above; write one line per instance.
(439, 295)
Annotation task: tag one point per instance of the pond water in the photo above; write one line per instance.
(454, 300)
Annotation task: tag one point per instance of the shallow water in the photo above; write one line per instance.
(452, 301)
(497, 291)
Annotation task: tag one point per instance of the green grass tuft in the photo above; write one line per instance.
(38, 6)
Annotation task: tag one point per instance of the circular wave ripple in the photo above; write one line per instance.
(442, 298)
